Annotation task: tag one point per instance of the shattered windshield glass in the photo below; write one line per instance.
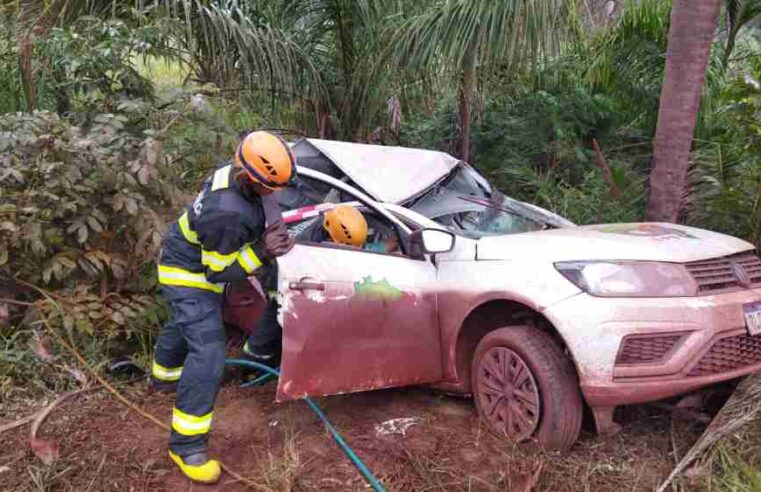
(465, 203)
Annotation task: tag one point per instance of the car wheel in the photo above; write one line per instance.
(525, 386)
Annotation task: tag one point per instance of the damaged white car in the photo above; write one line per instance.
(485, 295)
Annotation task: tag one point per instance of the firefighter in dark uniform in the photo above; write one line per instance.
(342, 224)
(222, 237)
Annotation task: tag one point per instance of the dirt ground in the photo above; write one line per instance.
(285, 447)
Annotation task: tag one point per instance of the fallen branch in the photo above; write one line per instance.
(14, 301)
(742, 407)
(18, 423)
(47, 451)
(29, 418)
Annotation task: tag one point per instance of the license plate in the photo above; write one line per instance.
(753, 317)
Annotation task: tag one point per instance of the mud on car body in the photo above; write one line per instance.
(491, 297)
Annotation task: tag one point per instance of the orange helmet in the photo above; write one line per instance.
(267, 159)
(346, 225)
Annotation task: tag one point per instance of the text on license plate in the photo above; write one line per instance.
(753, 317)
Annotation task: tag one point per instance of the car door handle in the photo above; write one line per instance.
(306, 284)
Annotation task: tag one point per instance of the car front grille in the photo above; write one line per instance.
(642, 349)
(725, 274)
(728, 354)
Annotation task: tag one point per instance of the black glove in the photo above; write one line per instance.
(276, 241)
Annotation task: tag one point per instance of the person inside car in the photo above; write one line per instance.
(344, 225)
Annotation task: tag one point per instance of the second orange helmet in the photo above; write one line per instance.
(346, 225)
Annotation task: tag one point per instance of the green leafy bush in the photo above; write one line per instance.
(82, 313)
(83, 64)
(536, 145)
(544, 128)
(725, 178)
(80, 204)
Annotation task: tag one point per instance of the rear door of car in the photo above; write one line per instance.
(356, 320)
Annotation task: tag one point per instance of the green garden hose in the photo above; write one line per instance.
(356, 460)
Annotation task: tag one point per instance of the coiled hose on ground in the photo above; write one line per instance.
(356, 460)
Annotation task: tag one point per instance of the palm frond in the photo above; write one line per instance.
(246, 40)
(498, 31)
(739, 13)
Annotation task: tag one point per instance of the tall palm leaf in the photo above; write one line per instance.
(476, 34)
(626, 59)
(247, 47)
(240, 39)
(33, 19)
(277, 45)
(739, 13)
(347, 39)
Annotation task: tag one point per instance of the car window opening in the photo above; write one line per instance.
(382, 237)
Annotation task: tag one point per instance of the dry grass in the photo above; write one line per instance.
(278, 465)
(46, 478)
(163, 73)
(281, 469)
(733, 465)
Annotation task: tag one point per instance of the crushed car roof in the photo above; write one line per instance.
(387, 174)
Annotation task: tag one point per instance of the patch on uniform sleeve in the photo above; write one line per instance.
(198, 202)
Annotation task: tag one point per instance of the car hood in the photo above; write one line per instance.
(386, 173)
(642, 241)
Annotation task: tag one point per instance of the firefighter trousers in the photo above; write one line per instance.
(266, 342)
(191, 351)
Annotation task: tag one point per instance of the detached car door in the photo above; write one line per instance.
(356, 320)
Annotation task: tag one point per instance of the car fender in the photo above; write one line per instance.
(529, 284)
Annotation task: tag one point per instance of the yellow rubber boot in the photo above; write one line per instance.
(205, 471)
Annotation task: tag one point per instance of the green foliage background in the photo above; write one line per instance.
(136, 101)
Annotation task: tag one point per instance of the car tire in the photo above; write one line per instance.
(538, 395)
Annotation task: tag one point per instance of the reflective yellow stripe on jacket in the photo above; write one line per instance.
(248, 259)
(190, 425)
(221, 178)
(180, 277)
(184, 224)
(168, 374)
(217, 262)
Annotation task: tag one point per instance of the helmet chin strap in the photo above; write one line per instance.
(245, 183)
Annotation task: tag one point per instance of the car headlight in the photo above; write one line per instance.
(629, 278)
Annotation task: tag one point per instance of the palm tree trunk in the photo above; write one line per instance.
(25, 53)
(28, 82)
(466, 92)
(35, 20)
(690, 39)
(342, 16)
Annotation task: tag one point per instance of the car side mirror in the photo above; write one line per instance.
(431, 241)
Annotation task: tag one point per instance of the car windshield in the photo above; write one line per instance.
(465, 203)
(479, 219)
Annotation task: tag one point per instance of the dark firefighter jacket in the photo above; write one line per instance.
(217, 239)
